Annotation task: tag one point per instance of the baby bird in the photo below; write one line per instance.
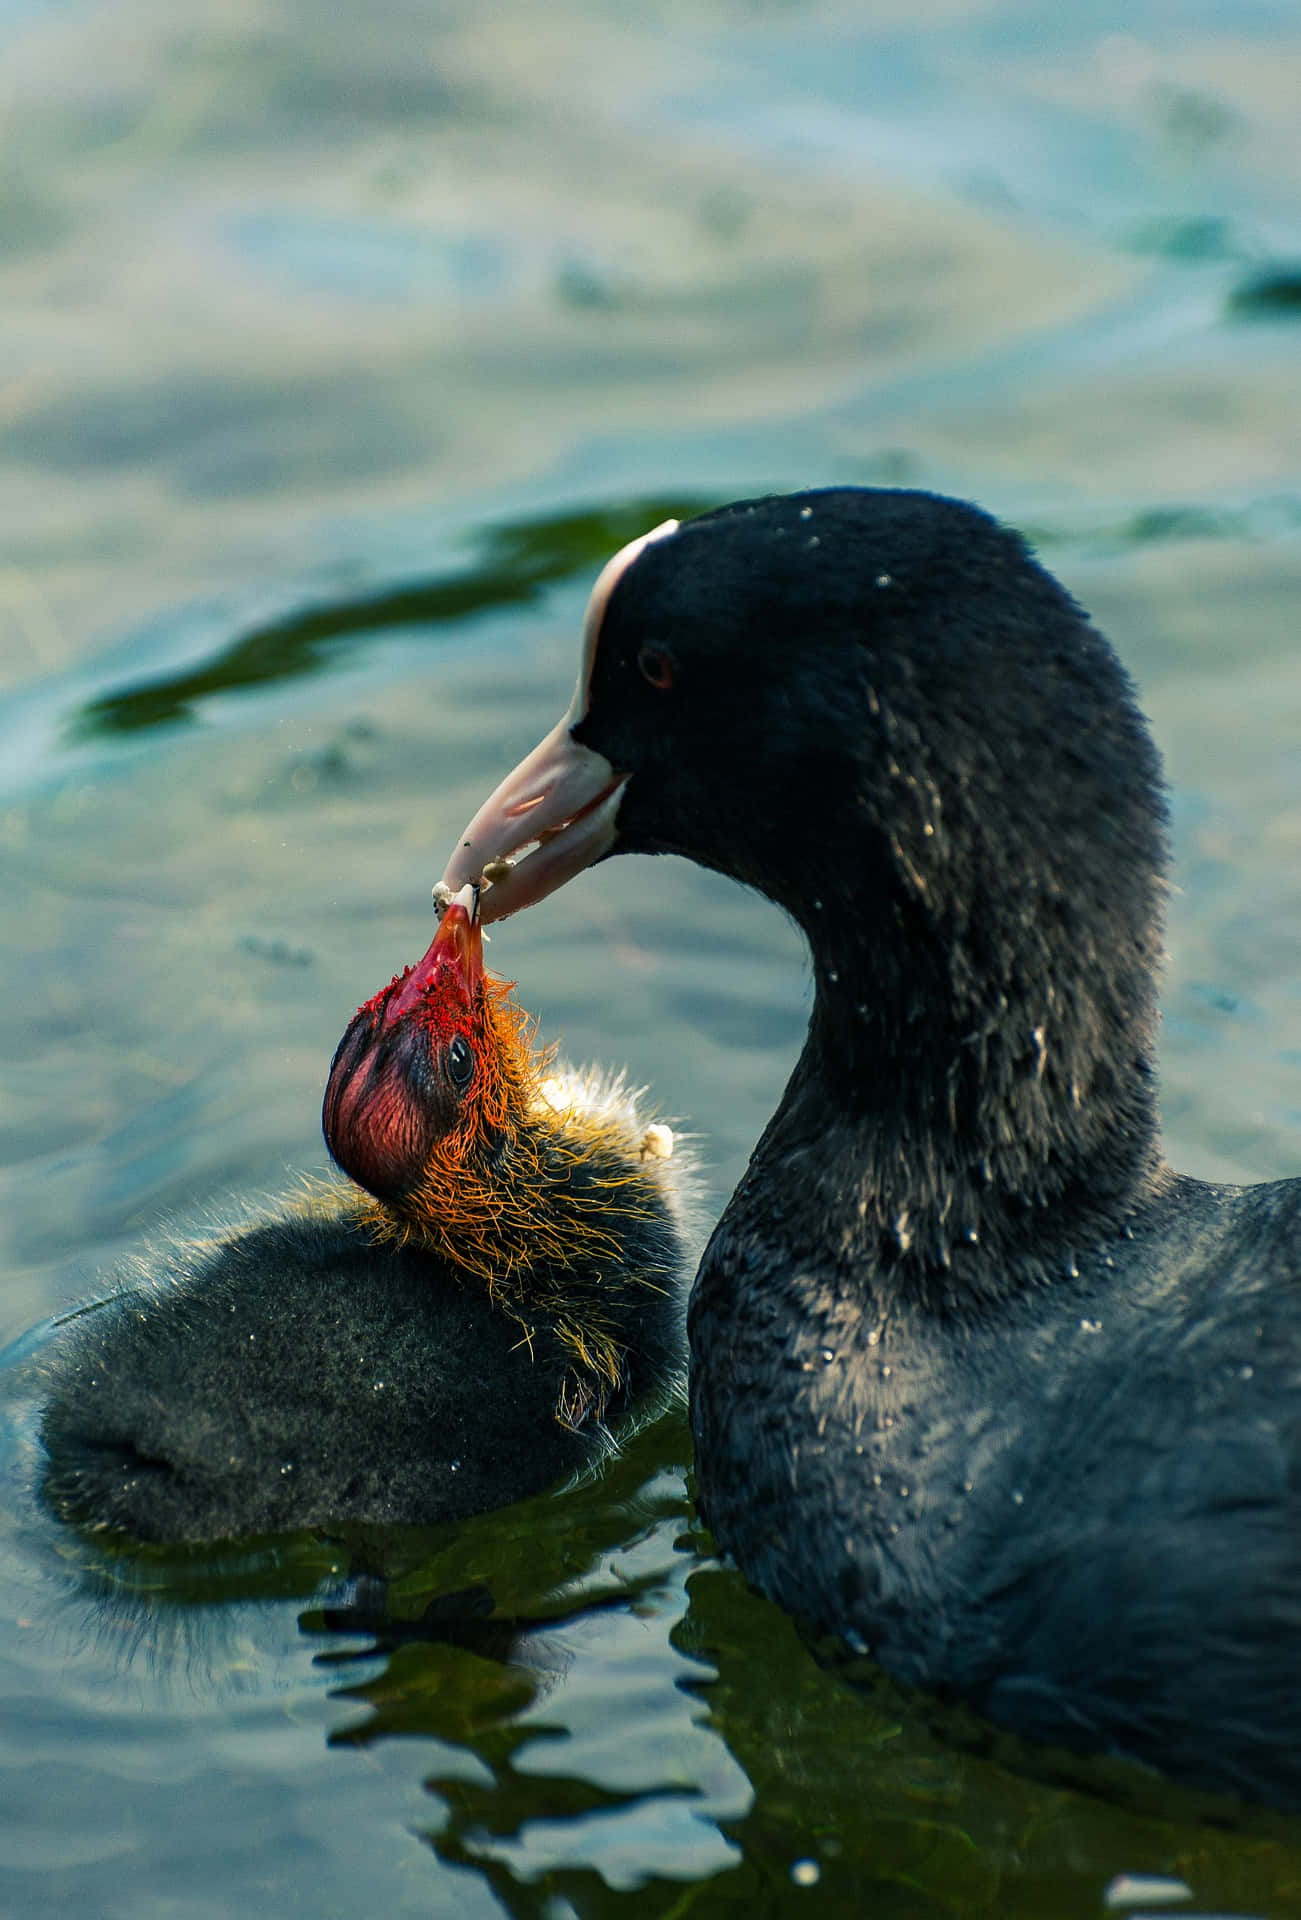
(507, 1290)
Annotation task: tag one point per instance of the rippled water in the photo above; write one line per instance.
(337, 354)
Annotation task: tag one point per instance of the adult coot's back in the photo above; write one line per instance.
(976, 1379)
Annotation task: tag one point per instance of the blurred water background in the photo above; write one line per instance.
(336, 352)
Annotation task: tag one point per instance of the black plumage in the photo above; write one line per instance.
(295, 1374)
(976, 1380)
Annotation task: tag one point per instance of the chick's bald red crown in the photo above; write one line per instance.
(407, 1057)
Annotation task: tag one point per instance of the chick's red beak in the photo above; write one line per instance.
(451, 972)
(385, 1104)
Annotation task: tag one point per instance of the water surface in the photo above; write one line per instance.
(337, 356)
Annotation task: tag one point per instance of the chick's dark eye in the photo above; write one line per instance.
(655, 667)
(460, 1062)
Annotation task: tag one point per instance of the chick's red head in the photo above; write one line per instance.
(426, 1068)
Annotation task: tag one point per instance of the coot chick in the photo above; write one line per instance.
(463, 1334)
(977, 1381)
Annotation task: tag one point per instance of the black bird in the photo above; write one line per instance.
(977, 1381)
(471, 1328)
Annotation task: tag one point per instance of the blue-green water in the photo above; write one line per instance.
(335, 356)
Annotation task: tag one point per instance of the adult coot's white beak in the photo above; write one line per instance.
(561, 800)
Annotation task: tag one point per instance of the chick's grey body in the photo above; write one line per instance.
(976, 1380)
(295, 1373)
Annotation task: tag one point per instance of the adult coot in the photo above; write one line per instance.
(461, 1339)
(976, 1379)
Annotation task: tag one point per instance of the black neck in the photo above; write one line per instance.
(978, 1129)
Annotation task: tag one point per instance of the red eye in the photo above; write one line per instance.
(656, 668)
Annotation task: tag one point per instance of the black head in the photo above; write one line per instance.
(876, 699)
(878, 709)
